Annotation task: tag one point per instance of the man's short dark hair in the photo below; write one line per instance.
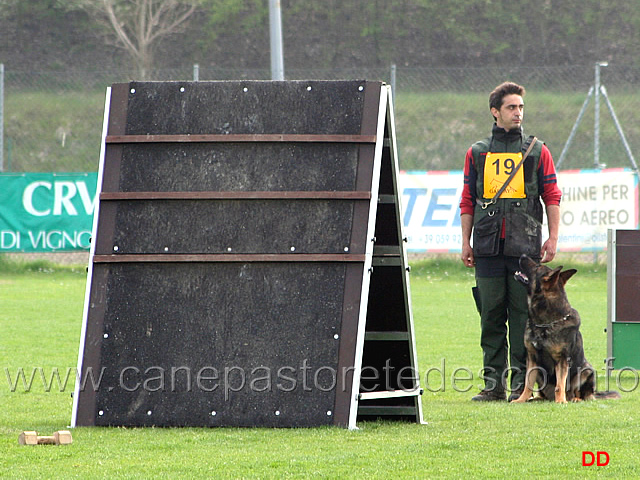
(507, 88)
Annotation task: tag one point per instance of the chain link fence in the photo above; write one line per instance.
(53, 120)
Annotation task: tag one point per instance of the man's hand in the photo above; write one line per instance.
(550, 247)
(548, 251)
(466, 222)
(467, 256)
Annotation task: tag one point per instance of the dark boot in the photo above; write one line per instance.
(490, 396)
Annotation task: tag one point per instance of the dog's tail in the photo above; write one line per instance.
(607, 395)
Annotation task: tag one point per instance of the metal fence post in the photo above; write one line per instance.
(275, 29)
(393, 80)
(596, 128)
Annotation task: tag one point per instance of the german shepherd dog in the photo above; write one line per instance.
(555, 354)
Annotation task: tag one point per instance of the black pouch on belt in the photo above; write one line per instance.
(486, 235)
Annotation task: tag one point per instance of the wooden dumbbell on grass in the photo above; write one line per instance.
(61, 437)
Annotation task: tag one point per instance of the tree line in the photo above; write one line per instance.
(59, 34)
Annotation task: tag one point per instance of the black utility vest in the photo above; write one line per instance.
(522, 217)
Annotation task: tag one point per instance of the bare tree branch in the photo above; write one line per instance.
(138, 25)
(119, 29)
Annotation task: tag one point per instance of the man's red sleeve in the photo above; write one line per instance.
(468, 197)
(547, 178)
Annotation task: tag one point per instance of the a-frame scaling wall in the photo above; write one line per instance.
(247, 267)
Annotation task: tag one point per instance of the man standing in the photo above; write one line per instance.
(501, 205)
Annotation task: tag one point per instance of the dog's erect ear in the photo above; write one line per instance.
(551, 278)
(557, 275)
(566, 275)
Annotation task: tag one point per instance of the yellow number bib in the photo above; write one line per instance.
(497, 168)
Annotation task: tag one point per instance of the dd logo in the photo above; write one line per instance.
(590, 458)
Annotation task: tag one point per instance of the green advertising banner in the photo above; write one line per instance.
(46, 212)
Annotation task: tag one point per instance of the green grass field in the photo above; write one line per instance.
(40, 319)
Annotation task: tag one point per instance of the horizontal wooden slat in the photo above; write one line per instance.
(387, 250)
(386, 261)
(390, 394)
(388, 410)
(388, 199)
(271, 195)
(240, 138)
(227, 257)
(386, 336)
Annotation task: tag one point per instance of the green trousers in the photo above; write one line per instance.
(503, 318)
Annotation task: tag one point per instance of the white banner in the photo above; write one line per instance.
(431, 211)
(593, 201)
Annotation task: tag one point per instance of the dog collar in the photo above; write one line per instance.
(547, 325)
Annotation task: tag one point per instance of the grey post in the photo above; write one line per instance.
(393, 80)
(596, 127)
(275, 30)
